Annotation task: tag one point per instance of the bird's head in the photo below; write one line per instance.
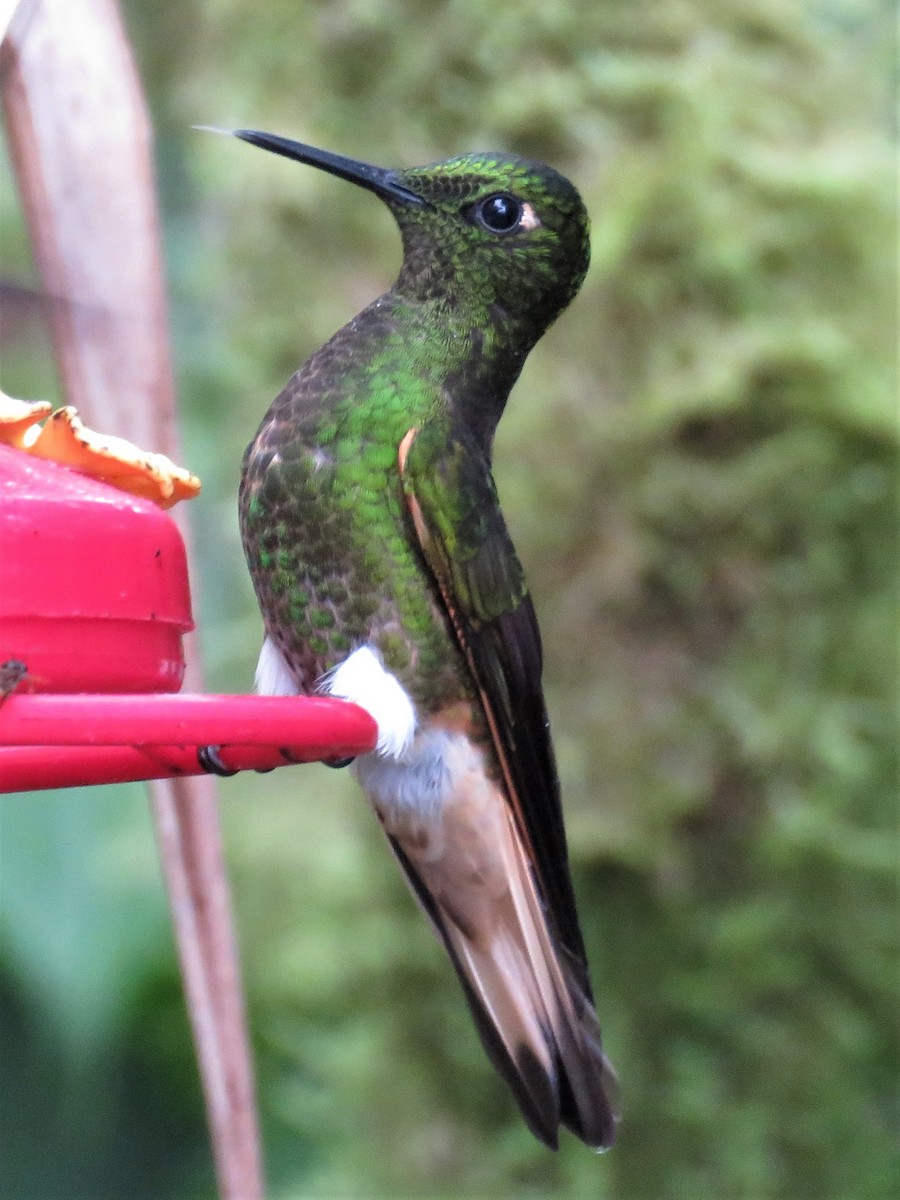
(482, 233)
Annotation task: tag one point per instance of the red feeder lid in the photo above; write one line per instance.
(94, 590)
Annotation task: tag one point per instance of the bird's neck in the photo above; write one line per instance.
(474, 347)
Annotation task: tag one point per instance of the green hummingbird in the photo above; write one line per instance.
(386, 576)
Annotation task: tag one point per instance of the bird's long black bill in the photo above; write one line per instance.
(380, 180)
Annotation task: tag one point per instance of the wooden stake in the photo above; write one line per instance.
(81, 145)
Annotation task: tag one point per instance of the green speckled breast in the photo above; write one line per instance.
(325, 529)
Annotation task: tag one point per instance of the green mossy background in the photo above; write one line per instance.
(699, 466)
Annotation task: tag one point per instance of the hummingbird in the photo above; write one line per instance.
(386, 576)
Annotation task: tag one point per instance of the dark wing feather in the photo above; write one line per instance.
(454, 506)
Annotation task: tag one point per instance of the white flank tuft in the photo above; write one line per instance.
(273, 675)
(362, 679)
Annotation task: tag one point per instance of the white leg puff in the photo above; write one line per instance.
(363, 679)
(273, 675)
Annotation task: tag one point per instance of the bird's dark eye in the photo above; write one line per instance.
(499, 214)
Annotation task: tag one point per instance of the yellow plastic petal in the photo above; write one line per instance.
(19, 420)
(66, 439)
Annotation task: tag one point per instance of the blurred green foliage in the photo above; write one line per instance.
(699, 466)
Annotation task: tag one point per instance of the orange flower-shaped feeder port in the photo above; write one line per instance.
(19, 420)
(64, 438)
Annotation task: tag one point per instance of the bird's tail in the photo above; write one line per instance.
(536, 1024)
(469, 869)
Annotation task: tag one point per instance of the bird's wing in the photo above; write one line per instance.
(453, 503)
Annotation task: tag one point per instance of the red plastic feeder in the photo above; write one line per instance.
(94, 587)
(94, 599)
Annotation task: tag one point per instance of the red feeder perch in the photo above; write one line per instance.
(94, 601)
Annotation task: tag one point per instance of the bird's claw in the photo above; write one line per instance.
(211, 761)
